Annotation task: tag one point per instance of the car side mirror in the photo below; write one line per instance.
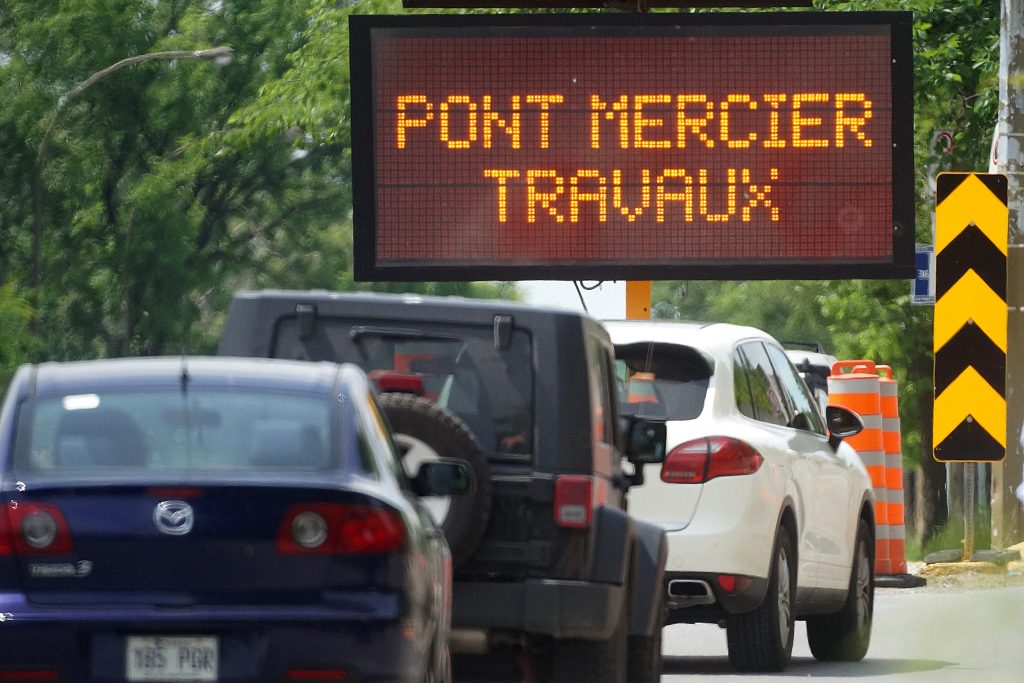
(445, 477)
(842, 423)
(645, 441)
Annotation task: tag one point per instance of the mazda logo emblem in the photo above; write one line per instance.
(174, 517)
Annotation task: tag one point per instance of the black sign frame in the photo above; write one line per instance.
(635, 5)
(368, 267)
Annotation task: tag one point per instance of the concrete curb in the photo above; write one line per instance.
(989, 561)
(949, 564)
(949, 568)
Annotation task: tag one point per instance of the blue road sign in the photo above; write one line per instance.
(923, 291)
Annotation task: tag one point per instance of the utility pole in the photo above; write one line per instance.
(1009, 159)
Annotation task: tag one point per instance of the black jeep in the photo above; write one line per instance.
(546, 559)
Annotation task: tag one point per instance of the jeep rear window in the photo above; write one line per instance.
(659, 380)
(457, 366)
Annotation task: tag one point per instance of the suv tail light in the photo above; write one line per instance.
(333, 528)
(34, 529)
(574, 501)
(733, 583)
(701, 460)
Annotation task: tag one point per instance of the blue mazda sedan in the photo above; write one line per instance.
(215, 519)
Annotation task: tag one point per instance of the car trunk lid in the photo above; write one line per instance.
(181, 545)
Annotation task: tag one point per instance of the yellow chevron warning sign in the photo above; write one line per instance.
(971, 226)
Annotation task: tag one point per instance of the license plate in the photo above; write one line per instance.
(159, 658)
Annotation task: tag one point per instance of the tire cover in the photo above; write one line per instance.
(448, 436)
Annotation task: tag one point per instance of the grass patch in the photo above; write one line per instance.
(950, 536)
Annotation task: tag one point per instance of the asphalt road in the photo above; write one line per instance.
(937, 634)
(955, 630)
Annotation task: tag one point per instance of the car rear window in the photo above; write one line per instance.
(198, 430)
(661, 380)
(457, 366)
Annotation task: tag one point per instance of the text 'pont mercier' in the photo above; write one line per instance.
(742, 130)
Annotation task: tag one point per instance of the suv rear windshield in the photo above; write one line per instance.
(659, 380)
(458, 366)
(155, 431)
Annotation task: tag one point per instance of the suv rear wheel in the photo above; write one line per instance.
(422, 431)
(762, 640)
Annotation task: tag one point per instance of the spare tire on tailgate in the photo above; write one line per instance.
(423, 430)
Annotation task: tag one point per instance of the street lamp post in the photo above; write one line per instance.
(219, 55)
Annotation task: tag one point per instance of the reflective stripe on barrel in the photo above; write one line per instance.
(891, 436)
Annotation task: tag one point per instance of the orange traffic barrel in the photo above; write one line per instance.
(855, 384)
(641, 388)
(891, 438)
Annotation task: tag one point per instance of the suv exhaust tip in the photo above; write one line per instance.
(468, 641)
(689, 592)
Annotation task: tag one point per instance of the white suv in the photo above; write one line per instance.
(769, 515)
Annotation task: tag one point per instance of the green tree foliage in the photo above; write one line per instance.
(788, 309)
(171, 183)
(17, 340)
(145, 213)
(310, 104)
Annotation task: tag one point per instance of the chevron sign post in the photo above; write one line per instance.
(971, 225)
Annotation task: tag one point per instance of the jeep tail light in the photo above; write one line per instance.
(333, 528)
(398, 382)
(574, 501)
(701, 460)
(35, 529)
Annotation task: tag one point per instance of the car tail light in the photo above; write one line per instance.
(309, 529)
(401, 382)
(333, 528)
(686, 463)
(37, 528)
(6, 543)
(574, 501)
(30, 675)
(701, 460)
(730, 583)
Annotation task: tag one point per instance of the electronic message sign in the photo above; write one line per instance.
(612, 146)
